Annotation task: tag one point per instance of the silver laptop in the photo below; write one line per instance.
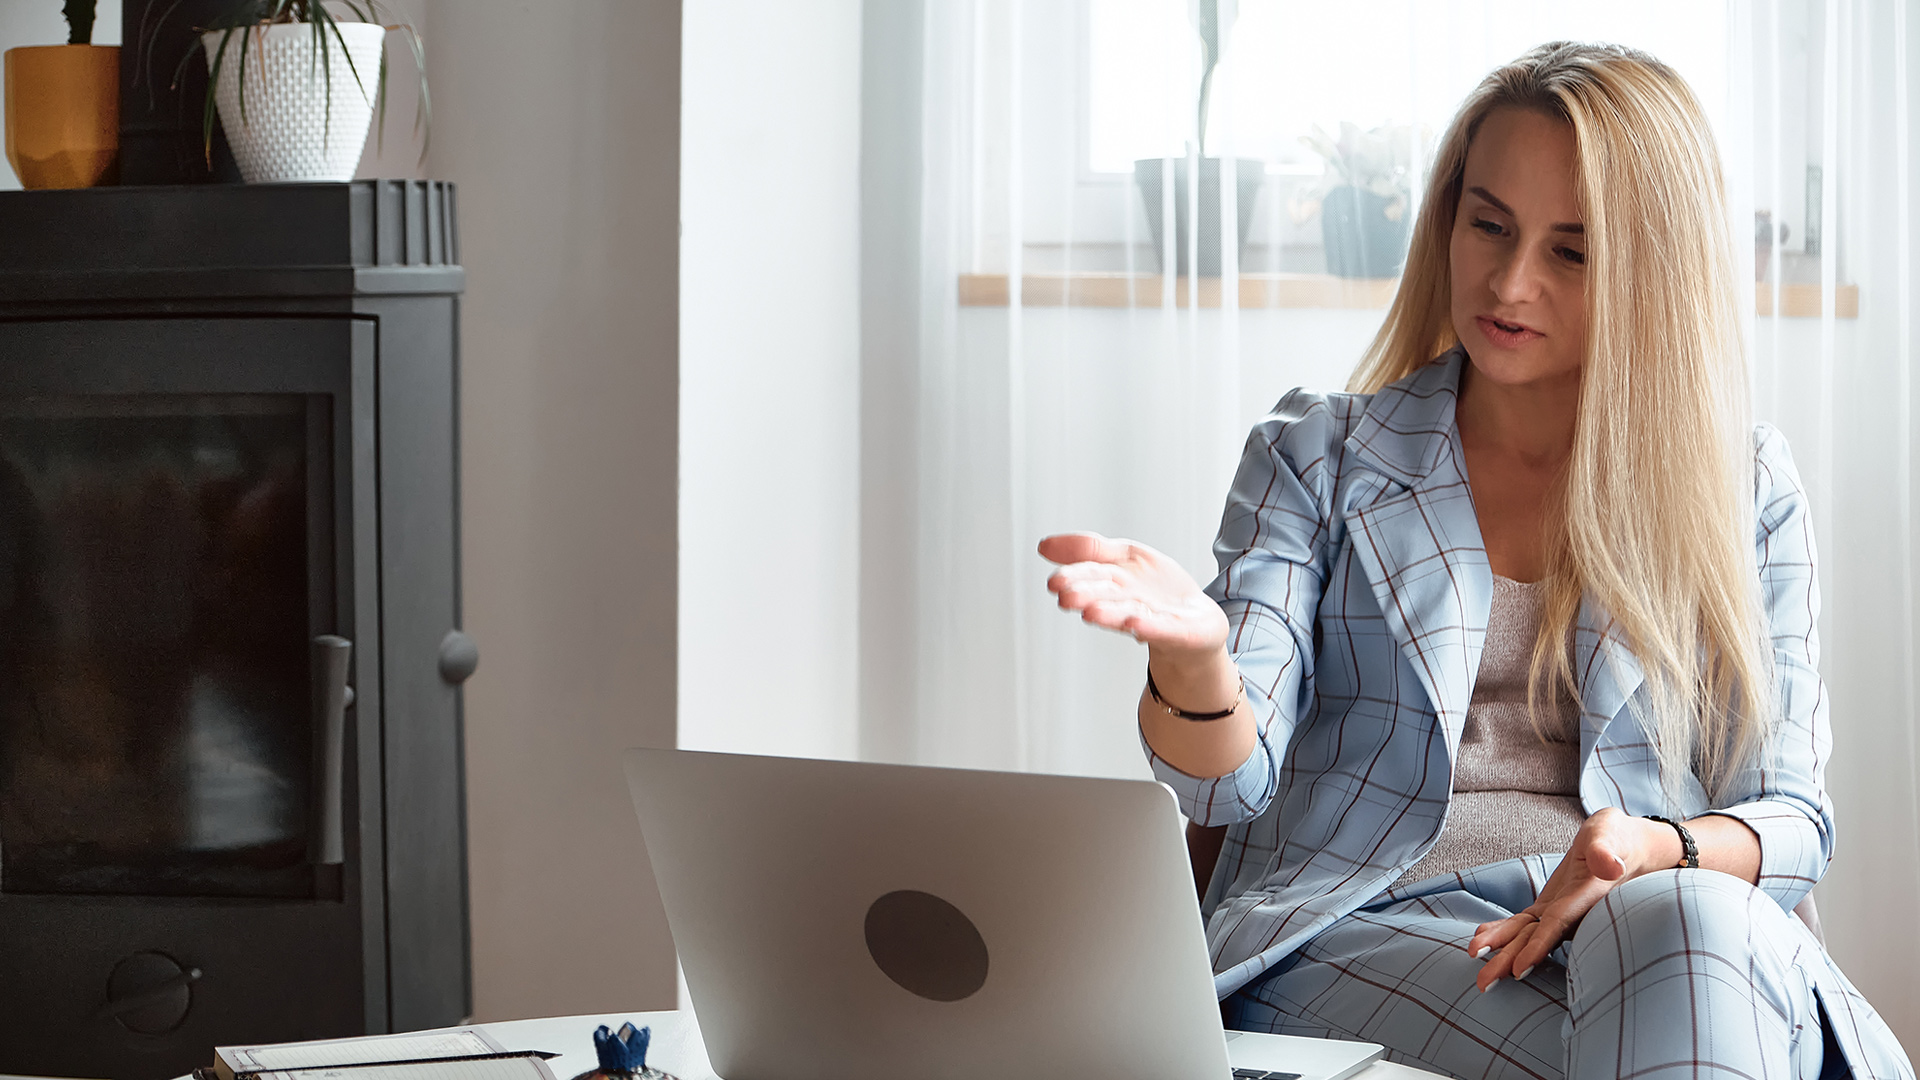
(847, 921)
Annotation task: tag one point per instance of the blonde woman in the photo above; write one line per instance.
(1506, 687)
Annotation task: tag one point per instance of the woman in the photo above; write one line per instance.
(1548, 593)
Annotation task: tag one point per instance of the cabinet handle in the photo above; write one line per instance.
(459, 656)
(331, 696)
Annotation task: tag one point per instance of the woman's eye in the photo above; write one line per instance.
(1576, 257)
(1491, 228)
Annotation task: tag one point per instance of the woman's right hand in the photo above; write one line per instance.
(1136, 590)
(1133, 589)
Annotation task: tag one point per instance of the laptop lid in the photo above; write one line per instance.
(853, 921)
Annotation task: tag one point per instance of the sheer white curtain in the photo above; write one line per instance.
(1819, 138)
(1064, 382)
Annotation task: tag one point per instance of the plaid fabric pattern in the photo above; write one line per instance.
(1676, 974)
(1357, 590)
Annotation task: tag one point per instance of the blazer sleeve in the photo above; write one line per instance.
(1273, 552)
(1783, 796)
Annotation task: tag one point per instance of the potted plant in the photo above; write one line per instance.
(296, 84)
(63, 108)
(1363, 199)
(1248, 173)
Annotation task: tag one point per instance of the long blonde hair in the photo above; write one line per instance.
(1655, 512)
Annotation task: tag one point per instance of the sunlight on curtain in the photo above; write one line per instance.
(1067, 382)
(1819, 157)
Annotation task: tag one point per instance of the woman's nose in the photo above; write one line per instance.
(1518, 278)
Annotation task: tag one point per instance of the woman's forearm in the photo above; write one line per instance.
(1206, 682)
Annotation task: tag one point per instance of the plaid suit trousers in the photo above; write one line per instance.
(1682, 973)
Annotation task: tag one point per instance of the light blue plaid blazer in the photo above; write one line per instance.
(1357, 591)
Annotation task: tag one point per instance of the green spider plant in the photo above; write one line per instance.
(244, 19)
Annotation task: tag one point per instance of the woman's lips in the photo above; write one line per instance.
(1506, 335)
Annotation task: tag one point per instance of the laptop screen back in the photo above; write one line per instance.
(877, 922)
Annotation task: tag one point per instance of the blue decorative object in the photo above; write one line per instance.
(624, 1051)
(623, 1055)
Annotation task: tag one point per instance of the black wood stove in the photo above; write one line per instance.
(231, 792)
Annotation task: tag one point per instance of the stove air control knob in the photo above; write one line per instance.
(149, 993)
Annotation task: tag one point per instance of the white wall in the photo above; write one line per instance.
(560, 123)
(890, 328)
(770, 377)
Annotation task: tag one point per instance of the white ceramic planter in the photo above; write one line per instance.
(289, 134)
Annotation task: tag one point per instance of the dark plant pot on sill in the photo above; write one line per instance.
(1361, 241)
(1248, 173)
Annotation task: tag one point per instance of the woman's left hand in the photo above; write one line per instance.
(1611, 847)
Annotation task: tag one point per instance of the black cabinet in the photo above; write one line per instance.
(231, 780)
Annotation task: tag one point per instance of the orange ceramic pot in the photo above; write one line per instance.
(63, 115)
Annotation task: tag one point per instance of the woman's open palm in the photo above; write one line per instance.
(1133, 589)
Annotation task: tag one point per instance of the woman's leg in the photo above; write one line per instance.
(1399, 975)
(1692, 973)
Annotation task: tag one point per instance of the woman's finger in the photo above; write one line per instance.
(1547, 935)
(1560, 919)
(1075, 573)
(1076, 547)
(1500, 965)
(1114, 614)
(1604, 860)
(1496, 934)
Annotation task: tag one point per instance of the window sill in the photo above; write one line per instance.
(1119, 290)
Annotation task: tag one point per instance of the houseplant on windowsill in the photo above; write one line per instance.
(1363, 200)
(296, 83)
(1149, 175)
(63, 108)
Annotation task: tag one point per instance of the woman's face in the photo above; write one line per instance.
(1518, 252)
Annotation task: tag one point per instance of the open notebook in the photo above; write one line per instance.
(459, 1054)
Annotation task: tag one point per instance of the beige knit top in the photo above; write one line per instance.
(1513, 792)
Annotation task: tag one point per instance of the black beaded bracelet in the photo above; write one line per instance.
(1692, 850)
(1175, 710)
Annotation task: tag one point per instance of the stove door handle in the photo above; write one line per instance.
(331, 696)
(459, 658)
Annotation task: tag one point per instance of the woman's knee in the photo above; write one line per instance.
(1684, 909)
(1685, 923)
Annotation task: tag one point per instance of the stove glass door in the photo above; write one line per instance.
(159, 559)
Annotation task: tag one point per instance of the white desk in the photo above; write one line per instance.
(677, 1048)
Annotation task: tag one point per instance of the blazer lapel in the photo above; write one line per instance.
(1420, 543)
(1607, 671)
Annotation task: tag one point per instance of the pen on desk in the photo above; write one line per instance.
(543, 1055)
